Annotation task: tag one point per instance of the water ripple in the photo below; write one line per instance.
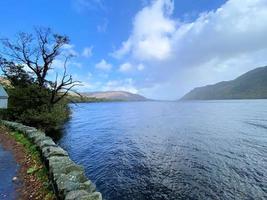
(175, 150)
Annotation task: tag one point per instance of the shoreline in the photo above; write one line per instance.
(68, 179)
(27, 185)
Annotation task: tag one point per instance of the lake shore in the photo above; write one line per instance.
(68, 179)
(28, 185)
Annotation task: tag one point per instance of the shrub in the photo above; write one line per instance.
(34, 97)
(31, 105)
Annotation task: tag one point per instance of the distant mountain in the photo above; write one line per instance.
(115, 96)
(251, 85)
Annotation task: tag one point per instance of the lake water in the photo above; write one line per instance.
(172, 150)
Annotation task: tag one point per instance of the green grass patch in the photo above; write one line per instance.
(37, 169)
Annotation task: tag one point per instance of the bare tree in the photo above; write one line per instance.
(60, 89)
(37, 52)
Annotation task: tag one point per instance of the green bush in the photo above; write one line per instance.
(34, 98)
(31, 105)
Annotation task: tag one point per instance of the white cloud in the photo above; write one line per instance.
(125, 67)
(86, 86)
(68, 49)
(140, 67)
(103, 65)
(218, 45)
(120, 85)
(125, 48)
(59, 64)
(87, 52)
(68, 46)
(76, 64)
(111, 85)
(150, 35)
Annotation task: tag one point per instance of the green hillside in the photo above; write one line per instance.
(251, 85)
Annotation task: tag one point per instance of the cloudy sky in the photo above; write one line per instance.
(158, 48)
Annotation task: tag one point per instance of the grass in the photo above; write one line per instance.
(37, 168)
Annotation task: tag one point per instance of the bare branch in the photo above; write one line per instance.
(37, 53)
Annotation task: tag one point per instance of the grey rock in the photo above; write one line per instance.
(77, 175)
(73, 168)
(29, 131)
(6, 123)
(38, 137)
(56, 159)
(61, 168)
(96, 196)
(66, 183)
(19, 127)
(23, 129)
(53, 151)
(68, 178)
(76, 194)
(93, 196)
(47, 141)
(33, 134)
(57, 165)
(69, 182)
(9, 124)
(90, 186)
(14, 125)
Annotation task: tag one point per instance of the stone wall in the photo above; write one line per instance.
(69, 180)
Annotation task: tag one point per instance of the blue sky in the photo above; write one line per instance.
(158, 48)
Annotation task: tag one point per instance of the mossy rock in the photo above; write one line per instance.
(83, 195)
(66, 183)
(93, 196)
(53, 151)
(76, 194)
(47, 141)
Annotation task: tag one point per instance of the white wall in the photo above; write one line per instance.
(3, 103)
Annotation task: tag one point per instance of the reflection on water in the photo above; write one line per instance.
(172, 150)
(8, 169)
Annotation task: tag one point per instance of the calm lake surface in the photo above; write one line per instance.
(172, 150)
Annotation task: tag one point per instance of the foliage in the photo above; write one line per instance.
(38, 169)
(34, 98)
(31, 105)
(85, 99)
(32, 169)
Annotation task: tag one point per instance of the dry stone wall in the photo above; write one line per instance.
(69, 180)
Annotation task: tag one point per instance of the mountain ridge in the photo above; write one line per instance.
(250, 85)
(115, 96)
